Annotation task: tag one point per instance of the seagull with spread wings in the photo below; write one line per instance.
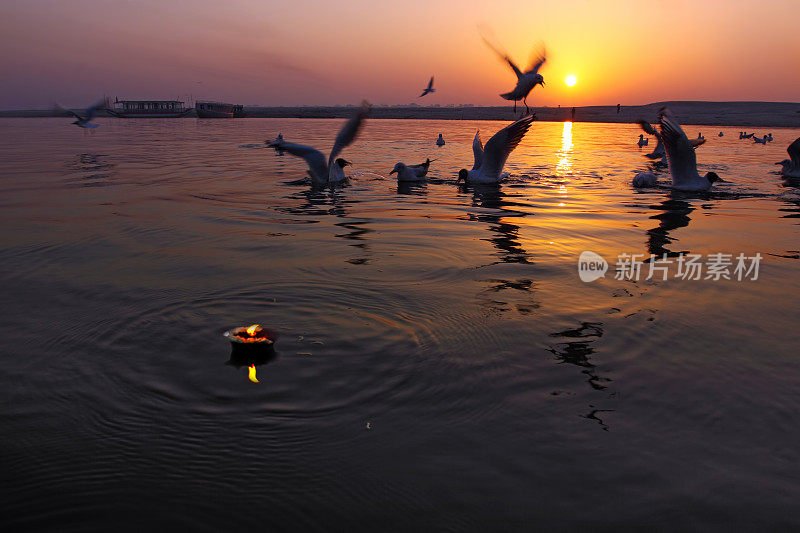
(490, 160)
(681, 157)
(332, 171)
(428, 89)
(526, 80)
(86, 120)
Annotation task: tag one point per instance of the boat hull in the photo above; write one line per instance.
(206, 109)
(148, 114)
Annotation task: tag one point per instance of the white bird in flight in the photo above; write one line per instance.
(490, 160)
(333, 171)
(790, 168)
(526, 81)
(86, 121)
(681, 157)
(429, 89)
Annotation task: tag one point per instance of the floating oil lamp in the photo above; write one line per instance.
(251, 346)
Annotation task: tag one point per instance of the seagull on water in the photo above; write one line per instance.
(429, 89)
(333, 171)
(86, 121)
(642, 141)
(489, 161)
(790, 168)
(681, 157)
(720, 134)
(763, 140)
(422, 169)
(440, 140)
(411, 172)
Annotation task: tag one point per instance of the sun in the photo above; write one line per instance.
(571, 80)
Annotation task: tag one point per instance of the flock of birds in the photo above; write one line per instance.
(672, 143)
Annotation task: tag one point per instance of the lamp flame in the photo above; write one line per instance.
(252, 374)
(252, 330)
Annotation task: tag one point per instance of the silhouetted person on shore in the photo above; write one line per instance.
(573, 114)
(618, 109)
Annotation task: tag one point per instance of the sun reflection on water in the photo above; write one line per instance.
(564, 164)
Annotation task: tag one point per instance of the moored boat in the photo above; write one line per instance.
(148, 109)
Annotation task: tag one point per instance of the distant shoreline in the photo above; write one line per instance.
(745, 114)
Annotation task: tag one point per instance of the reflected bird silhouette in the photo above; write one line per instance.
(333, 171)
(489, 161)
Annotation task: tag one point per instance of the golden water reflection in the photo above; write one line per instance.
(564, 164)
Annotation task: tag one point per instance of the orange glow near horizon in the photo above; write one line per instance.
(281, 55)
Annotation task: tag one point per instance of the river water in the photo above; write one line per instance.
(440, 366)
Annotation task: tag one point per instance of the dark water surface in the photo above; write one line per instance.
(440, 366)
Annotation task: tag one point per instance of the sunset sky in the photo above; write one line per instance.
(322, 52)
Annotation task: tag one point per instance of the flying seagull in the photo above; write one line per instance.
(333, 171)
(429, 89)
(681, 157)
(790, 168)
(489, 161)
(86, 121)
(526, 81)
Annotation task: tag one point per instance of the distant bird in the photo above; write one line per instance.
(681, 157)
(763, 140)
(489, 161)
(86, 121)
(642, 141)
(407, 173)
(720, 134)
(700, 136)
(526, 81)
(440, 140)
(429, 89)
(790, 168)
(746, 135)
(645, 179)
(769, 137)
(333, 171)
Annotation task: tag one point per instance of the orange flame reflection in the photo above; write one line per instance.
(251, 375)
